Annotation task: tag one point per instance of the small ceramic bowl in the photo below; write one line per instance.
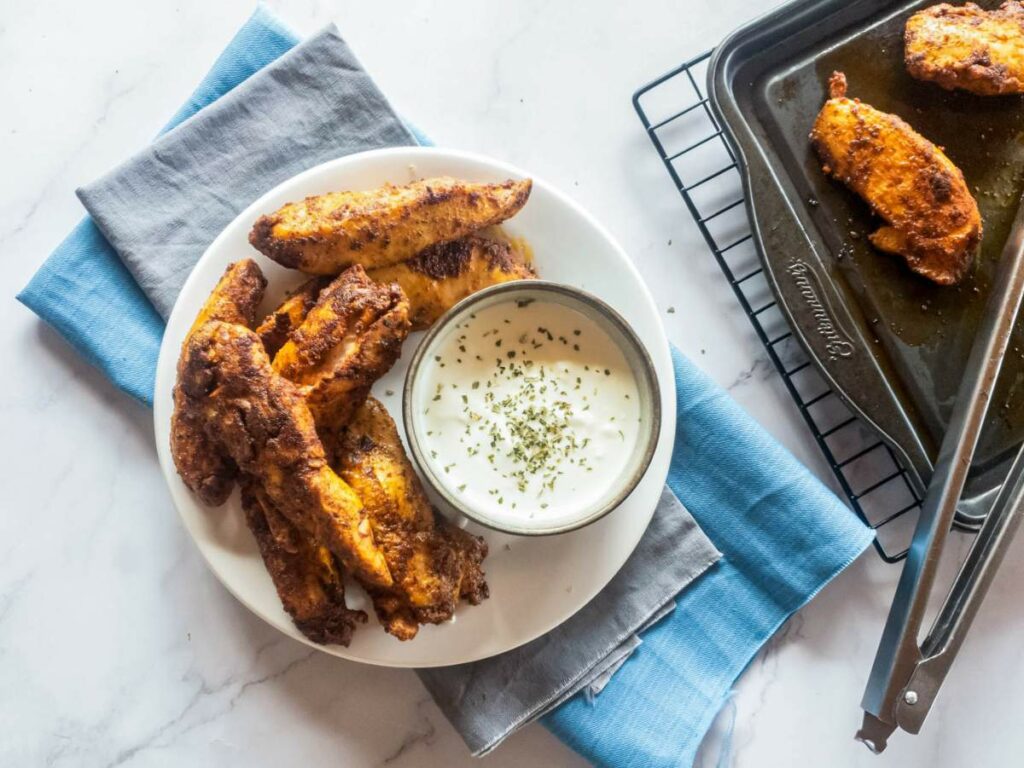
(618, 330)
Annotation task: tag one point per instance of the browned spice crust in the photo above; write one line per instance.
(324, 234)
(967, 47)
(446, 260)
(349, 339)
(277, 327)
(261, 421)
(438, 278)
(206, 470)
(433, 565)
(308, 580)
(932, 220)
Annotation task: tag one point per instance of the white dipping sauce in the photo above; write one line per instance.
(527, 411)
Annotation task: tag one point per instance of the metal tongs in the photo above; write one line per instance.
(908, 673)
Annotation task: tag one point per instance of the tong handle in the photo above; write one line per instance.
(965, 598)
(899, 653)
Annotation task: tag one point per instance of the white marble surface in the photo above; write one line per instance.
(117, 647)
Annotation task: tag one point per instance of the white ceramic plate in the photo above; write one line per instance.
(536, 583)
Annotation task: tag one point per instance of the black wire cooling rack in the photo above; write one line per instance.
(675, 113)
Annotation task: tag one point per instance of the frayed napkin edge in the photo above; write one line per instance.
(574, 684)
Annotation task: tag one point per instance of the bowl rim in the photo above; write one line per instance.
(647, 380)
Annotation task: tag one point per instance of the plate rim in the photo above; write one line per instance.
(170, 350)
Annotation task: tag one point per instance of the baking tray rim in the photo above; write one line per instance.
(731, 121)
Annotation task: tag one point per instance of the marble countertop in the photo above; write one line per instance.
(119, 648)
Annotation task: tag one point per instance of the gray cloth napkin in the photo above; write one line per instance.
(489, 700)
(163, 207)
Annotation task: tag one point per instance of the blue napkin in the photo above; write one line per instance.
(783, 537)
(84, 290)
(782, 534)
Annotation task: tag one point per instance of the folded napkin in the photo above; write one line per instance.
(84, 290)
(488, 700)
(615, 688)
(164, 206)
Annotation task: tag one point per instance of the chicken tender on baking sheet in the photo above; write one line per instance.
(204, 468)
(968, 47)
(932, 220)
(323, 235)
(305, 574)
(261, 421)
(349, 339)
(432, 564)
(441, 276)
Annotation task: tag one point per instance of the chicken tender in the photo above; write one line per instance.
(323, 235)
(931, 218)
(261, 421)
(434, 281)
(348, 340)
(277, 327)
(968, 47)
(204, 468)
(432, 564)
(440, 277)
(308, 580)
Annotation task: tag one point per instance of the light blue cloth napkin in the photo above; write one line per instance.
(782, 533)
(84, 290)
(783, 537)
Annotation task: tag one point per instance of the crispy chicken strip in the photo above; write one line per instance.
(432, 563)
(349, 339)
(261, 421)
(204, 468)
(306, 576)
(323, 235)
(336, 351)
(434, 280)
(931, 218)
(968, 47)
(276, 328)
(441, 276)
(471, 551)
(235, 298)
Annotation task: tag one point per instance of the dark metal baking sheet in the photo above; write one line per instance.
(892, 344)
